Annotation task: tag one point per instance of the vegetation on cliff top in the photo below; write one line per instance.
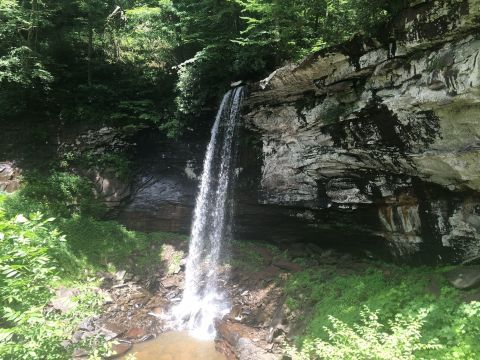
(160, 62)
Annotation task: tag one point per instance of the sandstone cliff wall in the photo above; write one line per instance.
(390, 129)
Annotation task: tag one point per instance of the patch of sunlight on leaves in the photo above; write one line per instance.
(391, 291)
(368, 339)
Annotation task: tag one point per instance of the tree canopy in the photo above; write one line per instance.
(164, 62)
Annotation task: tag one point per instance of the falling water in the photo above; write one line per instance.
(202, 300)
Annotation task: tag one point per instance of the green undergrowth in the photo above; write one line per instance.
(33, 259)
(246, 255)
(413, 306)
(110, 246)
(50, 237)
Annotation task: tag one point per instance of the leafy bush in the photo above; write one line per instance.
(109, 245)
(368, 340)
(32, 254)
(119, 163)
(392, 290)
(36, 258)
(198, 83)
(37, 334)
(59, 194)
(28, 262)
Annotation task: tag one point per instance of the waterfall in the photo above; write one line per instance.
(202, 299)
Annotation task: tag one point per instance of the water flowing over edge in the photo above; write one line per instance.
(202, 300)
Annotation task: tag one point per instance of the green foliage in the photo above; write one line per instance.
(157, 62)
(59, 194)
(20, 66)
(92, 243)
(29, 260)
(39, 254)
(33, 255)
(198, 74)
(259, 35)
(105, 243)
(36, 334)
(115, 162)
(291, 28)
(368, 339)
(247, 257)
(392, 291)
(146, 37)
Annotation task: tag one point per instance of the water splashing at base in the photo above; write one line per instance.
(202, 300)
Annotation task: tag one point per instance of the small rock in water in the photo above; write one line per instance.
(120, 349)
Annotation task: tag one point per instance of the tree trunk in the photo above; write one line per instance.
(32, 31)
(90, 51)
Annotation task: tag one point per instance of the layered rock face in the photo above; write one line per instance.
(9, 177)
(379, 142)
(165, 184)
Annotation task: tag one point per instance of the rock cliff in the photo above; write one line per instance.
(372, 145)
(378, 141)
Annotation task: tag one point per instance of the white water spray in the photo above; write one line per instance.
(202, 300)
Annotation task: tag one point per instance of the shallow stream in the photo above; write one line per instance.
(175, 346)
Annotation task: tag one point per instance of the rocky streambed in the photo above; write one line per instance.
(260, 280)
(135, 308)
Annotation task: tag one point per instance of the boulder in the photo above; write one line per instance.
(9, 177)
(120, 348)
(241, 341)
(112, 330)
(63, 299)
(287, 265)
(464, 277)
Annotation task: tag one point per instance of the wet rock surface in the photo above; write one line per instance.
(260, 320)
(378, 144)
(165, 184)
(9, 177)
(370, 146)
(134, 311)
(464, 278)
